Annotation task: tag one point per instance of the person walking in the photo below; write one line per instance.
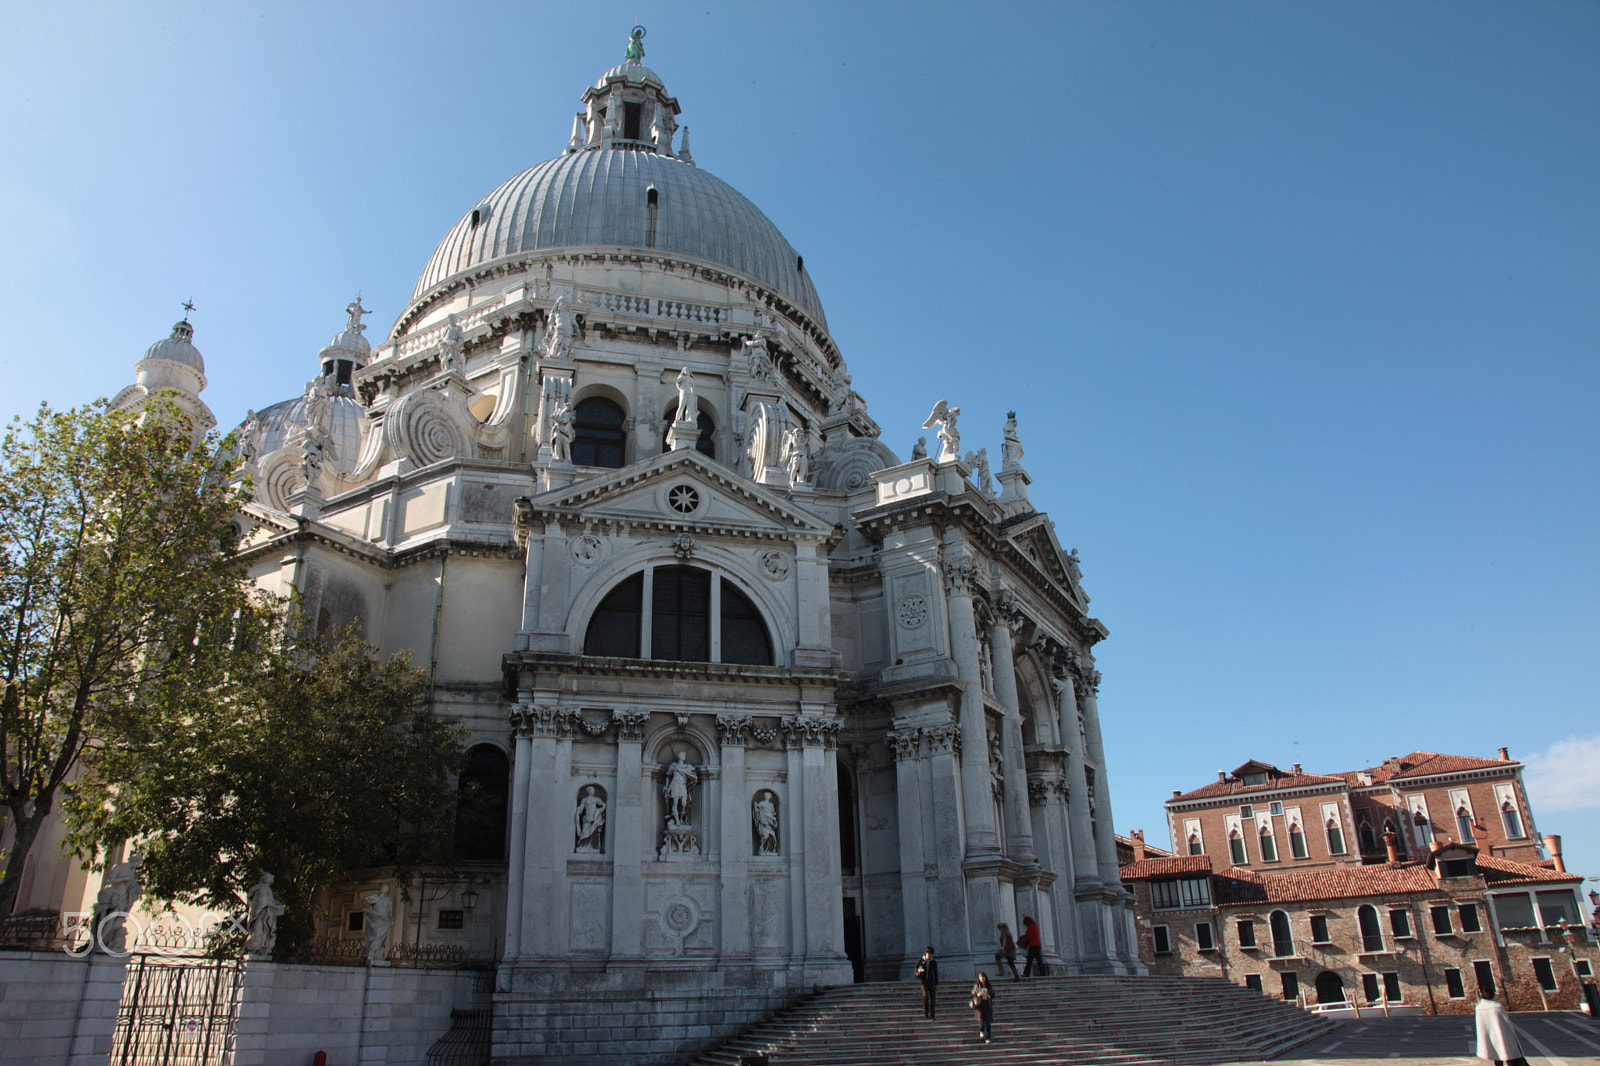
(1497, 1040)
(982, 1004)
(928, 977)
(1033, 943)
(1007, 955)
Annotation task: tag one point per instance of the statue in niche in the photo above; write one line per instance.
(678, 790)
(265, 910)
(741, 457)
(590, 818)
(760, 364)
(560, 329)
(688, 405)
(379, 911)
(451, 346)
(796, 459)
(764, 815)
(562, 422)
(1011, 447)
(979, 462)
(944, 417)
(919, 450)
(118, 893)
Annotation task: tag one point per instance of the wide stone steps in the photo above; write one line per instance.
(1105, 1021)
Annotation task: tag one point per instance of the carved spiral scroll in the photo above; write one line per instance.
(281, 477)
(848, 465)
(421, 429)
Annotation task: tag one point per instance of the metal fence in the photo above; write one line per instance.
(177, 1012)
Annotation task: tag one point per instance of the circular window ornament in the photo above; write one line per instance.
(679, 917)
(912, 611)
(684, 499)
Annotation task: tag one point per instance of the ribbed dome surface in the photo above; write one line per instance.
(280, 420)
(598, 198)
(178, 348)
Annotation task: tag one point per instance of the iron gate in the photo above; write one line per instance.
(177, 1012)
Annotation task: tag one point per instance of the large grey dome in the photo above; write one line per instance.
(600, 199)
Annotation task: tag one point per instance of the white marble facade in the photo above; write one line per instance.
(779, 709)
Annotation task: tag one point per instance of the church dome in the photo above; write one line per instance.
(351, 341)
(178, 348)
(280, 421)
(623, 190)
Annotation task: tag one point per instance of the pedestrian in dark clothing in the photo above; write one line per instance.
(1033, 943)
(1007, 955)
(982, 1004)
(928, 976)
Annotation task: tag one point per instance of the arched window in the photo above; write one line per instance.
(1464, 824)
(1423, 827)
(1282, 937)
(597, 436)
(1335, 838)
(695, 616)
(706, 442)
(1195, 846)
(1369, 841)
(1512, 818)
(1297, 841)
(1236, 848)
(1371, 933)
(1269, 847)
(485, 788)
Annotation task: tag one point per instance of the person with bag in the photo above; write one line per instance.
(1497, 1040)
(982, 1004)
(1033, 943)
(928, 977)
(1007, 955)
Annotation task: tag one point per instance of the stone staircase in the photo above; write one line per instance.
(1105, 1021)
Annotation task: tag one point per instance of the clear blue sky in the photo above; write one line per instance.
(1297, 303)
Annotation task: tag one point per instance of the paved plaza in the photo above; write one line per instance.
(1553, 1039)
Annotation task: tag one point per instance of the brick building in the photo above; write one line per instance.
(1277, 885)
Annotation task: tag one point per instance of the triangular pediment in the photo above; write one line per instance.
(681, 489)
(1035, 538)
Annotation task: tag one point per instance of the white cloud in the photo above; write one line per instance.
(1566, 777)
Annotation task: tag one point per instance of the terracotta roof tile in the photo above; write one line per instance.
(1416, 764)
(1237, 886)
(1424, 763)
(1167, 867)
(1235, 788)
(1498, 871)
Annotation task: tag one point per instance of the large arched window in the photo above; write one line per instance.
(481, 805)
(693, 615)
(1282, 937)
(597, 435)
(1371, 932)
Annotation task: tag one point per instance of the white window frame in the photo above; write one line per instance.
(1157, 934)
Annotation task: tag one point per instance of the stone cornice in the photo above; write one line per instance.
(551, 663)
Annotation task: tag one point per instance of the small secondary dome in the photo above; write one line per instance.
(178, 348)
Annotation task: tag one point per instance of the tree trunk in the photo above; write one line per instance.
(27, 833)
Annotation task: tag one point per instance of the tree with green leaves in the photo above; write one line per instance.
(320, 759)
(117, 570)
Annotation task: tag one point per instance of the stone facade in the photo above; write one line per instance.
(769, 707)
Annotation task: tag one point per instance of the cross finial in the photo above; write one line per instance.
(188, 305)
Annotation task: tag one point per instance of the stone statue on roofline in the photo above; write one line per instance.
(355, 311)
(688, 404)
(451, 346)
(635, 50)
(944, 417)
(1011, 447)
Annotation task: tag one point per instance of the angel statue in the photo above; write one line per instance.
(944, 417)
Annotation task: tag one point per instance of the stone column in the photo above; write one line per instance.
(1019, 828)
(521, 758)
(915, 912)
(1105, 843)
(547, 840)
(812, 740)
(977, 801)
(1084, 866)
(1047, 795)
(733, 733)
(626, 825)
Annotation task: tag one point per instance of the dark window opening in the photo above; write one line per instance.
(632, 118)
(481, 805)
(1454, 985)
(1180, 895)
(680, 617)
(1330, 987)
(1441, 920)
(1371, 934)
(356, 921)
(1369, 987)
(1202, 936)
(1252, 981)
(477, 217)
(1469, 918)
(849, 853)
(1319, 928)
(344, 368)
(744, 634)
(1369, 840)
(1247, 933)
(452, 919)
(1456, 868)
(1282, 938)
(1297, 842)
(1291, 985)
(1484, 973)
(1160, 940)
(597, 436)
(1400, 923)
(1195, 847)
(614, 627)
(1391, 987)
(651, 198)
(800, 263)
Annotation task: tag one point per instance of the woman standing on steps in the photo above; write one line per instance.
(928, 977)
(982, 1004)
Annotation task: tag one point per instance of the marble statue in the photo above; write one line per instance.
(795, 456)
(764, 813)
(451, 345)
(379, 920)
(560, 329)
(979, 462)
(688, 405)
(562, 422)
(760, 358)
(1011, 447)
(1073, 566)
(944, 417)
(263, 919)
(590, 819)
(118, 893)
(919, 450)
(678, 790)
(355, 311)
(249, 437)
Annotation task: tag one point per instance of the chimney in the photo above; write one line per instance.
(1389, 842)
(1505, 754)
(1552, 844)
(1177, 792)
(1297, 768)
(1222, 775)
(1435, 846)
(1138, 845)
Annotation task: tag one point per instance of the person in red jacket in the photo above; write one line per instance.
(1034, 943)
